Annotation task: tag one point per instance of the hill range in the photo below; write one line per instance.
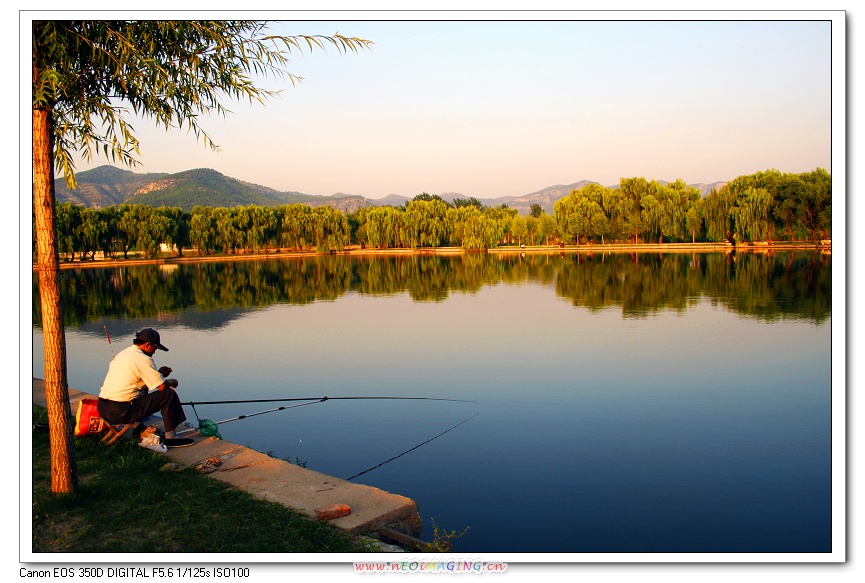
(109, 186)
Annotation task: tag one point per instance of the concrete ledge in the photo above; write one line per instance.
(278, 481)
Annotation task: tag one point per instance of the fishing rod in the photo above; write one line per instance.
(412, 449)
(193, 403)
(210, 428)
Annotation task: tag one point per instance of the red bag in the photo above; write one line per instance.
(87, 420)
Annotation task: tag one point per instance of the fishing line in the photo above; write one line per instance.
(414, 448)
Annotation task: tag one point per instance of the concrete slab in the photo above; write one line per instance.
(293, 486)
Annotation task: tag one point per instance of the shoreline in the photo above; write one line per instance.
(761, 247)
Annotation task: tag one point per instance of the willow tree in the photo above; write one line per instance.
(88, 78)
(753, 214)
(632, 192)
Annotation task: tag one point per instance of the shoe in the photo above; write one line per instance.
(152, 442)
(179, 442)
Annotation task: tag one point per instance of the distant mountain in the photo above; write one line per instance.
(199, 187)
(108, 186)
(103, 186)
(290, 197)
(706, 189)
(344, 202)
(391, 200)
(545, 197)
(347, 203)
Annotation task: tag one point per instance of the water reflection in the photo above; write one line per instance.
(766, 287)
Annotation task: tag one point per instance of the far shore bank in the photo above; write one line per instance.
(194, 257)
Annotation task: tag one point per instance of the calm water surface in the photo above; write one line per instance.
(623, 403)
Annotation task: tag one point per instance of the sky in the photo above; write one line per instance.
(492, 107)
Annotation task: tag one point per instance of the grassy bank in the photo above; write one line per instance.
(128, 502)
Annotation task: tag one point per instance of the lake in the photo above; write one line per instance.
(618, 403)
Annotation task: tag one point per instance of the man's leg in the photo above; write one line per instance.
(167, 402)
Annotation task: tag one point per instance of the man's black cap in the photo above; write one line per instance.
(149, 335)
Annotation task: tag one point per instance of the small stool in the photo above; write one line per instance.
(113, 432)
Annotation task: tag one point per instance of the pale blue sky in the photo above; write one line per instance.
(493, 108)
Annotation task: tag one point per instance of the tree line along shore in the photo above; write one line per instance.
(761, 210)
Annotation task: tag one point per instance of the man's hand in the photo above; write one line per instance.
(164, 371)
(168, 384)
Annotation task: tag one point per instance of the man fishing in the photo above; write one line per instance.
(134, 389)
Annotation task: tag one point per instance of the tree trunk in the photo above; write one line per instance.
(64, 475)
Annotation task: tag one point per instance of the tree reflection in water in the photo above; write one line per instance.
(768, 287)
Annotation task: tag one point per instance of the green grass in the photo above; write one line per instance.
(127, 503)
